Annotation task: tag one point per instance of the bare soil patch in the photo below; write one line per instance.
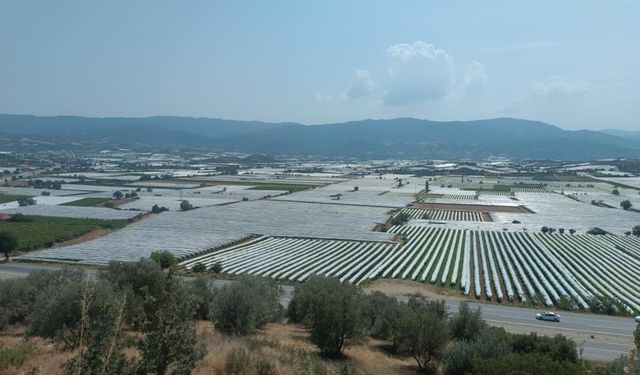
(393, 287)
(96, 233)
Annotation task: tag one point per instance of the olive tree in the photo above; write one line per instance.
(335, 312)
(8, 243)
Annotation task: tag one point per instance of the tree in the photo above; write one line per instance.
(545, 229)
(216, 267)
(164, 258)
(22, 202)
(558, 348)
(170, 340)
(382, 312)
(561, 230)
(157, 209)
(423, 332)
(524, 364)
(101, 347)
(467, 324)
(626, 205)
(185, 205)
(117, 195)
(199, 267)
(615, 191)
(636, 231)
(204, 296)
(335, 312)
(246, 306)
(572, 231)
(8, 243)
(597, 231)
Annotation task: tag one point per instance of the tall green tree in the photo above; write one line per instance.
(423, 332)
(246, 306)
(170, 343)
(467, 323)
(335, 312)
(8, 243)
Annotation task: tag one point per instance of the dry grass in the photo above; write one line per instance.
(279, 349)
(45, 358)
(394, 287)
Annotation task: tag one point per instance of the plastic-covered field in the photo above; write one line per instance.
(75, 212)
(192, 232)
(295, 259)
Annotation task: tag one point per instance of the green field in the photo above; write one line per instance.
(35, 232)
(87, 202)
(4, 198)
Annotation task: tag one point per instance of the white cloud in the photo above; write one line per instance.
(418, 72)
(323, 98)
(560, 86)
(362, 85)
(475, 78)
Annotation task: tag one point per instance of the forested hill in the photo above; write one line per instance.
(404, 138)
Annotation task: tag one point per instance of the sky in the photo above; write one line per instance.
(574, 64)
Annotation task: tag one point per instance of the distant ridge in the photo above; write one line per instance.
(405, 138)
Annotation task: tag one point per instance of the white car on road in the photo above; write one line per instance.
(638, 319)
(548, 316)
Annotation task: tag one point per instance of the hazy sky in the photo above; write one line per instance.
(575, 64)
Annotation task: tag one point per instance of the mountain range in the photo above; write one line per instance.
(403, 138)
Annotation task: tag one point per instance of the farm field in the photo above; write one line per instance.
(192, 232)
(73, 212)
(35, 232)
(295, 259)
(447, 215)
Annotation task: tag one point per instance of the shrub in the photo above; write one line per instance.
(246, 306)
(204, 296)
(216, 268)
(467, 324)
(597, 231)
(185, 205)
(199, 267)
(382, 314)
(558, 348)
(423, 332)
(335, 312)
(524, 364)
(164, 258)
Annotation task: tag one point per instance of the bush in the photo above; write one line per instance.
(18, 296)
(558, 348)
(185, 205)
(204, 297)
(164, 258)
(467, 324)
(246, 306)
(524, 364)
(140, 282)
(199, 268)
(335, 312)
(216, 268)
(459, 359)
(382, 314)
(423, 332)
(597, 231)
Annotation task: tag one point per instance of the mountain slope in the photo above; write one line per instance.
(392, 138)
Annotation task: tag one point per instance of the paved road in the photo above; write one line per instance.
(604, 338)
